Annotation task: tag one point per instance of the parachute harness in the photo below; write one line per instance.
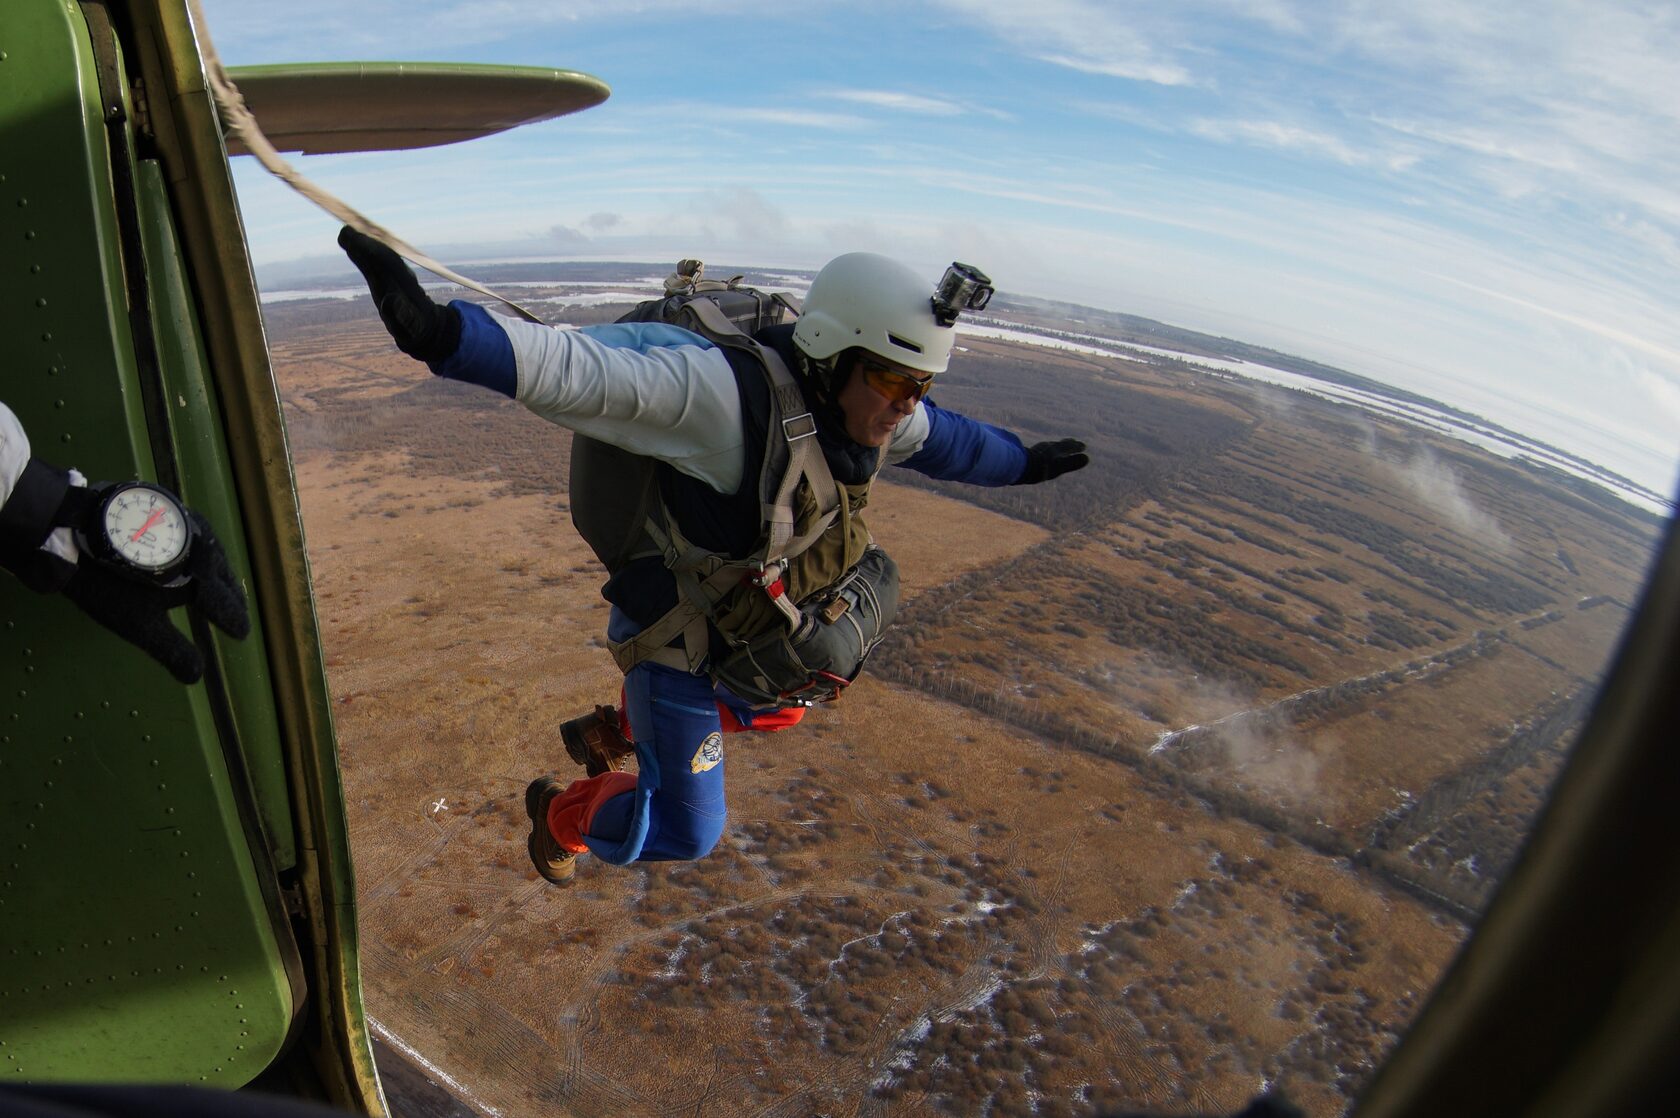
(705, 578)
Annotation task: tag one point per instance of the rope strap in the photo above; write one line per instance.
(238, 119)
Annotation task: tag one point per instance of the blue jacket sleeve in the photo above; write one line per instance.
(962, 449)
(485, 356)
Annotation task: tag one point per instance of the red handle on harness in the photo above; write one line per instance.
(837, 684)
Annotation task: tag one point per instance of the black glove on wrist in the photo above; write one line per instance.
(1048, 460)
(139, 613)
(27, 519)
(421, 328)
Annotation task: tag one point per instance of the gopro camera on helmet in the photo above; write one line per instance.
(963, 287)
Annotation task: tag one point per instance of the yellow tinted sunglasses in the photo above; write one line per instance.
(894, 384)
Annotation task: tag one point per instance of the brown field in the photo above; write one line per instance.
(1181, 776)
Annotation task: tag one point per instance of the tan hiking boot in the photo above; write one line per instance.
(552, 860)
(594, 741)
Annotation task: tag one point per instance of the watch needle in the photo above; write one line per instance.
(157, 515)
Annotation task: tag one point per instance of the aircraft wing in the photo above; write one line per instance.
(321, 108)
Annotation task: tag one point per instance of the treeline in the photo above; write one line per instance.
(1471, 590)
(1186, 772)
(445, 428)
(1299, 711)
(1468, 815)
(1186, 562)
(1194, 633)
(1139, 440)
(285, 322)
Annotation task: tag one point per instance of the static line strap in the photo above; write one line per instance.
(238, 119)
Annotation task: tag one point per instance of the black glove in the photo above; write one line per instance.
(139, 613)
(28, 517)
(1048, 460)
(421, 328)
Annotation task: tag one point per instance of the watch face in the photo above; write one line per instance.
(146, 527)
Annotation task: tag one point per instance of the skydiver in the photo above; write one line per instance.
(126, 553)
(863, 354)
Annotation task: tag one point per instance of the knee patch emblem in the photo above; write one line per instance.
(709, 755)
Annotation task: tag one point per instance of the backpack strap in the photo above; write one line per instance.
(797, 427)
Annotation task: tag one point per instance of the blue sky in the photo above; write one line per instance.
(1480, 201)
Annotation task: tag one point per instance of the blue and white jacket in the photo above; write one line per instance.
(668, 393)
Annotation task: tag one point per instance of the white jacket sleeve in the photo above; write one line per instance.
(649, 388)
(14, 456)
(14, 452)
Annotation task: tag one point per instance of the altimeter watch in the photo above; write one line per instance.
(140, 531)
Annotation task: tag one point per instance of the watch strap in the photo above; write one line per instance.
(32, 511)
(35, 508)
(79, 505)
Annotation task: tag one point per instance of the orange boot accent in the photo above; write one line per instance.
(571, 812)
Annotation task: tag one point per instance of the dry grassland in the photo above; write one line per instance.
(1164, 790)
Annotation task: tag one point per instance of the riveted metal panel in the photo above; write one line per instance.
(187, 136)
(206, 485)
(136, 942)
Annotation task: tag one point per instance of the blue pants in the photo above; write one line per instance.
(677, 810)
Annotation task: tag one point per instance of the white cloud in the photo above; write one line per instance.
(1586, 91)
(1083, 35)
(1526, 147)
(902, 102)
(1643, 343)
(1547, 102)
(298, 29)
(1663, 394)
(790, 118)
(1117, 65)
(1276, 134)
(739, 216)
(563, 238)
(1279, 15)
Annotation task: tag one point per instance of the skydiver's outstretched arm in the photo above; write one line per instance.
(647, 387)
(657, 389)
(952, 447)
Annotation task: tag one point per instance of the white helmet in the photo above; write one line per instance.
(874, 302)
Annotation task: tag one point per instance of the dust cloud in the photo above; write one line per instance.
(1438, 486)
(1228, 729)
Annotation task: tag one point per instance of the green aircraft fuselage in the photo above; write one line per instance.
(176, 896)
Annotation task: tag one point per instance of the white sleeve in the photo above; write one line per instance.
(14, 456)
(908, 436)
(676, 403)
(14, 452)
